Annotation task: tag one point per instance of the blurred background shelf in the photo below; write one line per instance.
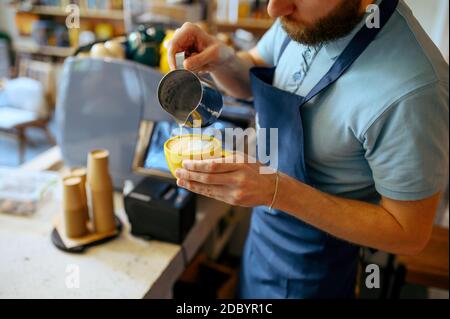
(139, 12)
(84, 13)
(112, 18)
(28, 46)
(41, 30)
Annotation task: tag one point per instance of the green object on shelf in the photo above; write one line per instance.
(144, 45)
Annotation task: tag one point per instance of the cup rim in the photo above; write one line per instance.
(94, 154)
(71, 181)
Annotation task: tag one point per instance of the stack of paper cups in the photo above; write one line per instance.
(74, 215)
(101, 189)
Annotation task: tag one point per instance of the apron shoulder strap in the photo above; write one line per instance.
(357, 46)
(283, 48)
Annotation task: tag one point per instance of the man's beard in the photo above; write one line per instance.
(338, 24)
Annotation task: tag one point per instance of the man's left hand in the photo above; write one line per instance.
(238, 182)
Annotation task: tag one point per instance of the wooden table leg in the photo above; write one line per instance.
(22, 139)
(49, 135)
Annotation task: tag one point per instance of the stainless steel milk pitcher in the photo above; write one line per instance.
(191, 100)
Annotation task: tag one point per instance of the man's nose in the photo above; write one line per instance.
(280, 8)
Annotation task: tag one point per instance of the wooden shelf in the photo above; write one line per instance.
(28, 46)
(84, 13)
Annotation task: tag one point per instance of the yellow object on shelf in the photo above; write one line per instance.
(98, 50)
(24, 22)
(104, 31)
(245, 8)
(73, 37)
(164, 51)
(115, 49)
(109, 49)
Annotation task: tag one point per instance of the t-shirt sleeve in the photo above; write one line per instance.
(270, 44)
(407, 146)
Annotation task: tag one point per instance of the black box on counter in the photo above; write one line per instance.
(161, 211)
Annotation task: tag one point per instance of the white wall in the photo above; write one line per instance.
(434, 17)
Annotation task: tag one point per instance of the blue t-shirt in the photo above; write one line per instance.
(383, 127)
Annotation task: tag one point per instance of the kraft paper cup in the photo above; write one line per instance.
(175, 159)
(98, 170)
(101, 190)
(103, 211)
(74, 213)
(81, 172)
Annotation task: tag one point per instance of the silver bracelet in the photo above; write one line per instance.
(277, 183)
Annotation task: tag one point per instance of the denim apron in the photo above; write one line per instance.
(283, 256)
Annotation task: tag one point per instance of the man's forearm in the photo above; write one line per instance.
(233, 76)
(354, 221)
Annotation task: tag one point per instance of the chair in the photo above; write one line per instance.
(16, 121)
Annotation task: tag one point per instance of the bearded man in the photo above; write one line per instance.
(360, 102)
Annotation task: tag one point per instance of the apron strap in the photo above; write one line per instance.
(357, 46)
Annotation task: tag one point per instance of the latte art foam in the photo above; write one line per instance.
(189, 145)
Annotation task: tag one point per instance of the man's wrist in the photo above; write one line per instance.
(287, 186)
(275, 191)
(227, 58)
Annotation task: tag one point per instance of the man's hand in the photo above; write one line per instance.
(229, 181)
(205, 52)
(230, 70)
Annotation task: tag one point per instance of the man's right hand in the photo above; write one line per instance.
(204, 52)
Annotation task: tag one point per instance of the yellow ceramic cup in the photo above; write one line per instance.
(191, 147)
